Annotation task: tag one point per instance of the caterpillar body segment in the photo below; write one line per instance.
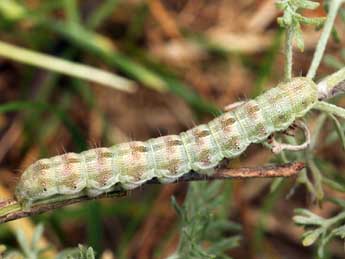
(128, 165)
(169, 158)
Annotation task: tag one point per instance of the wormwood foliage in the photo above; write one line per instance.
(28, 249)
(292, 19)
(320, 229)
(203, 224)
(81, 252)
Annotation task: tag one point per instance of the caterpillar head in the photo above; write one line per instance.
(36, 183)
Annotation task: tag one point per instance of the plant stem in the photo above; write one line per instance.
(288, 53)
(330, 108)
(316, 134)
(321, 46)
(335, 219)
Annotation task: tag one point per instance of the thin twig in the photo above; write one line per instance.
(11, 209)
(321, 46)
(288, 53)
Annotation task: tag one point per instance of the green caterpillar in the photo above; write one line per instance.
(166, 158)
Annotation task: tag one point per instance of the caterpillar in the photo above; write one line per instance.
(202, 148)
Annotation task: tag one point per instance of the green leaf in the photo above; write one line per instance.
(276, 183)
(311, 236)
(317, 179)
(333, 62)
(299, 37)
(306, 4)
(306, 217)
(37, 235)
(226, 225)
(225, 244)
(179, 210)
(333, 184)
(339, 231)
(23, 243)
(339, 202)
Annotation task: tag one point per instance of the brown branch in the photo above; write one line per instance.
(11, 210)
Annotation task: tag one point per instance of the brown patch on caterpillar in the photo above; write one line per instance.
(201, 133)
(175, 142)
(226, 122)
(298, 85)
(251, 110)
(233, 143)
(39, 166)
(261, 129)
(281, 118)
(104, 173)
(73, 160)
(173, 165)
(136, 171)
(103, 176)
(68, 178)
(70, 158)
(100, 158)
(276, 98)
(204, 156)
(105, 154)
(137, 148)
(169, 144)
(43, 183)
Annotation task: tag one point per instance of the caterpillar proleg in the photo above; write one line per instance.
(128, 165)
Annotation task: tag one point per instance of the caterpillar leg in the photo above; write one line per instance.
(278, 147)
(26, 205)
(207, 172)
(232, 106)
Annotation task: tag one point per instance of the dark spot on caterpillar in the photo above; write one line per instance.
(204, 156)
(261, 129)
(41, 166)
(142, 149)
(175, 142)
(225, 122)
(136, 171)
(233, 143)
(105, 155)
(73, 160)
(201, 133)
(252, 109)
(172, 166)
(281, 117)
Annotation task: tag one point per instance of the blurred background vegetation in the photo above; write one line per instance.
(173, 64)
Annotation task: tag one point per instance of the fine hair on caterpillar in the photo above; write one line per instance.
(200, 149)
